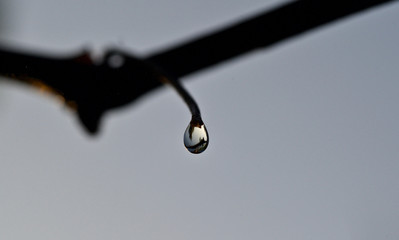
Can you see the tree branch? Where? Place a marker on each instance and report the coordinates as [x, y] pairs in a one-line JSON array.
[[261, 31], [95, 88]]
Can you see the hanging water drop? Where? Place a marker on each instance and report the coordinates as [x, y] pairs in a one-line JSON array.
[[196, 137]]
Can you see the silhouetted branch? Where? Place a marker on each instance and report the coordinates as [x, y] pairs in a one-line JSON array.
[[261, 31], [90, 88], [122, 78]]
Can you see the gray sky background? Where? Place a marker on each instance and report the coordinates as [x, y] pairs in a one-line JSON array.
[[303, 136]]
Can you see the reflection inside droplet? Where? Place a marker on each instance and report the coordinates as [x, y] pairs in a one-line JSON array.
[[196, 137]]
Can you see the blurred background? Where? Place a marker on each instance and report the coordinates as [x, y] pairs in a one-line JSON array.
[[303, 136]]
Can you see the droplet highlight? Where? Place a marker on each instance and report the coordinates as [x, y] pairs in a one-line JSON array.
[[196, 138]]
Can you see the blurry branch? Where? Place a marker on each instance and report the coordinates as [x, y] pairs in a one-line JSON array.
[[261, 31], [122, 78], [90, 88]]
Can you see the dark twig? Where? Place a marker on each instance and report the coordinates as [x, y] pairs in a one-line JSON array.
[[261, 31], [95, 88]]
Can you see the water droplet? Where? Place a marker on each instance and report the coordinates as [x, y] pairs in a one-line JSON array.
[[196, 137]]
